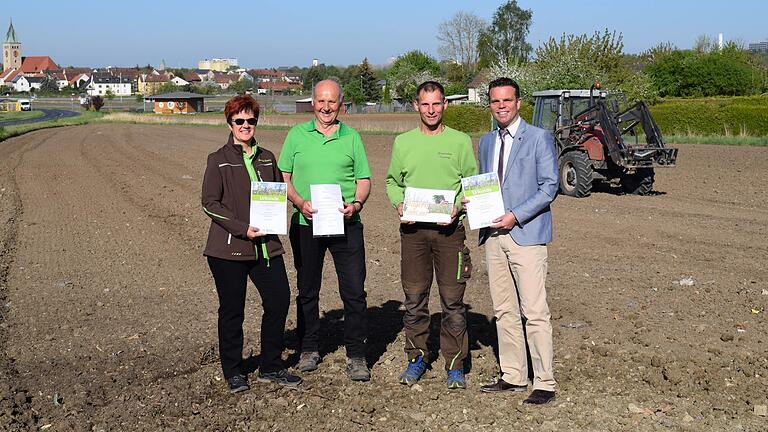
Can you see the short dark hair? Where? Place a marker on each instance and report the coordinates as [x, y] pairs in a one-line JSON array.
[[429, 87], [504, 82], [239, 104]]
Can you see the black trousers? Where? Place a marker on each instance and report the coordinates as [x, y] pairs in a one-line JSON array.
[[231, 279], [348, 254]]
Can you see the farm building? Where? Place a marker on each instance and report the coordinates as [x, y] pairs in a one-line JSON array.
[[177, 103], [304, 105]]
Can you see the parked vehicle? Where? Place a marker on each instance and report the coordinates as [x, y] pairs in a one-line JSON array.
[[25, 105], [598, 143]]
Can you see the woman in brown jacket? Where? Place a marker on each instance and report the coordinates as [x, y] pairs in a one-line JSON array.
[[237, 250]]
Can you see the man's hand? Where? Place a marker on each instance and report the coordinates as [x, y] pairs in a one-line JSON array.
[[307, 210], [400, 213], [253, 232], [505, 222], [350, 209], [464, 202], [454, 212]]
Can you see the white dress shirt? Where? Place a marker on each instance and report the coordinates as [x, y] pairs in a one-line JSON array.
[[508, 141]]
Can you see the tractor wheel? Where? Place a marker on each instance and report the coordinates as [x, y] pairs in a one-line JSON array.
[[639, 183], [575, 174]]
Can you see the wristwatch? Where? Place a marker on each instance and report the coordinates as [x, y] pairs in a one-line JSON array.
[[359, 202]]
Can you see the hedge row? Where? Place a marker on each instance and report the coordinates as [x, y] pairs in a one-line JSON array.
[[712, 118], [706, 116], [473, 119]]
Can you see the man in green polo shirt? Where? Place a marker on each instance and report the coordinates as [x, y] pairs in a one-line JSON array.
[[432, 156], [326, 151]]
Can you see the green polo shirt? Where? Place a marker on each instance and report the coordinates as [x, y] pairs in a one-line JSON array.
[[312, 158]]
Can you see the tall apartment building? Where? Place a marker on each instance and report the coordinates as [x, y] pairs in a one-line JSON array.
[[217, 64]]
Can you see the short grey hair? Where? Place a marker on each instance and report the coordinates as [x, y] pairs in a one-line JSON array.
[[333, 80]]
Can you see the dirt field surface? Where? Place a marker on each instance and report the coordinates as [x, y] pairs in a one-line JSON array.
[[109, 311]]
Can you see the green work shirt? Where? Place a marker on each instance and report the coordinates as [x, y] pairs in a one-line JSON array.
[[431, 162], [312, 158]]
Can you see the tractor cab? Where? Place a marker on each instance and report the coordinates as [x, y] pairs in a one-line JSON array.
[[596, 142]]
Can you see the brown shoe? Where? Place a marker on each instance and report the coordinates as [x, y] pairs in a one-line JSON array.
[[502, 386], [540, 397]]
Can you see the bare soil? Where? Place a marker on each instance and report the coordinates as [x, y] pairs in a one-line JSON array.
[[108, 312]]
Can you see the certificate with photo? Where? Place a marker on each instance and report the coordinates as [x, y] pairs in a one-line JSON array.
[[326, 200], [428, 205], [485, 200], [268, 207]]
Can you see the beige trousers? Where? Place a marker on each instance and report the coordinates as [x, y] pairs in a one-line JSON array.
[[517, 275]]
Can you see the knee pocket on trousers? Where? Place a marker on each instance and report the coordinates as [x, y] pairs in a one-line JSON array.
[[464, 272]]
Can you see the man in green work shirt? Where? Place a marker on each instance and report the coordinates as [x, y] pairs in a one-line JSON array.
[[432, 156], [326, 151]]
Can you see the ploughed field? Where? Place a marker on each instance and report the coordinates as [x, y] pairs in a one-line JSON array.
[[109, 311]]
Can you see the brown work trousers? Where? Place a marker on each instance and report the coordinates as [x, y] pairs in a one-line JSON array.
[[426, 248]]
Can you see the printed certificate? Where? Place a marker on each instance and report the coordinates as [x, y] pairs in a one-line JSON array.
[[327, 200], [268, 207], [485, 200], [428, 205]]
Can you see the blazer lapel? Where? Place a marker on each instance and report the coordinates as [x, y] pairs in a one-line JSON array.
[[516, 144], [491, 140]]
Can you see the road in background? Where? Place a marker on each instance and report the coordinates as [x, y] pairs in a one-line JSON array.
[[48, 114]]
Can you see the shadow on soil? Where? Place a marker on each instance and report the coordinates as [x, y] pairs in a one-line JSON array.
[[385, 322]]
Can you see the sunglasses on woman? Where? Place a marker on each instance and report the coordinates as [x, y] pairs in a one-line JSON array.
[[251, 121]]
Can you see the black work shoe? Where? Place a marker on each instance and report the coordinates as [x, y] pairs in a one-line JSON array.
[[502, 386], [308, 361], [237, 384], [540, 397], [357, 369], [281, 377]]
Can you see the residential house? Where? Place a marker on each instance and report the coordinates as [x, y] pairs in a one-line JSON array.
[[79, 81], [472, 88], [192, 77], [102, 82], [278, 87], [149, 83], [60, 77], [6, 78], [179, 81], [223, 80], [20, 83]]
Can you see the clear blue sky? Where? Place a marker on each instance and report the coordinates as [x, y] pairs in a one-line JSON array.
[[285, 33]]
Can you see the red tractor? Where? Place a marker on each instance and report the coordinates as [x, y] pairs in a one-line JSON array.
[[598, 143]]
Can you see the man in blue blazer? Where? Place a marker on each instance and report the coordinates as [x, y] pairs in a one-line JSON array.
[[525, 159]]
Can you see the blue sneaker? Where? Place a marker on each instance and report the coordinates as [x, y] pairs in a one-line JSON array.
[[413, 372], [456, 379]]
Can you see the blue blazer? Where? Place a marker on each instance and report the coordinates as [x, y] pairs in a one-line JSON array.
[[530, 182]]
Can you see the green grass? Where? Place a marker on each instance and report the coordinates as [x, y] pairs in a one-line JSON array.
[[19, 115], [84, 118], [717, 139]]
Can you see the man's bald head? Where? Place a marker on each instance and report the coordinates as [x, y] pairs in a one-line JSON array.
[[328, 84], [326, 101]]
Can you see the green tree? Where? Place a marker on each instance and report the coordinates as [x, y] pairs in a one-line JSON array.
[[368, 81], [168, 87], [48, 85], [242, 86], [354, 93], [504, 41], [718, 72], [410, 70]]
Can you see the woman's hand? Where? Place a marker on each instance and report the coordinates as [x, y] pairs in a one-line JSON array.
[[253, 232]]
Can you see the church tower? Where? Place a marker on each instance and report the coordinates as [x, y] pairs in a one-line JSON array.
[[11, 50]]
